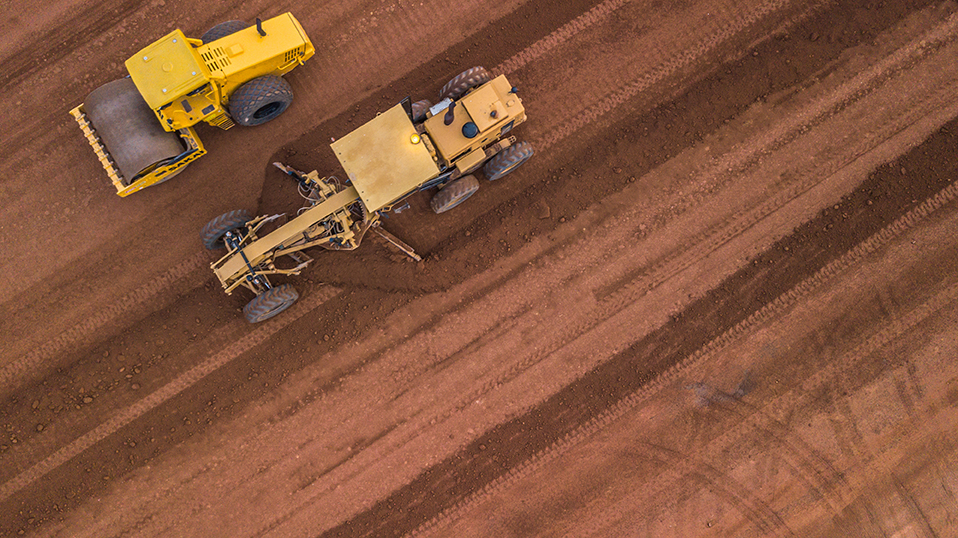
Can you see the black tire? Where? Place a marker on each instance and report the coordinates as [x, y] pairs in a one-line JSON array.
[[463, 82], [223, 29], [419, 109], [269, 303], [212, 234], [260, 100], [454, 193], [508, 160]]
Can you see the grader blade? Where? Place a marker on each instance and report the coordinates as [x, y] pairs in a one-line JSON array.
[[129, 131], [393, 240]]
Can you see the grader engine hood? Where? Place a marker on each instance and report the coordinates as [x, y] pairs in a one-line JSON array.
[[383, 161]]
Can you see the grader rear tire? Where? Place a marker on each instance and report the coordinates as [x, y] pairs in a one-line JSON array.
[[212, 234], [507, 160], [269, 303], [419, 109], [260, 100], [223, 29], [454, 194], [463, 82]]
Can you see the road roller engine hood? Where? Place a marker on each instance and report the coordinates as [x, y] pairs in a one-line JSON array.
[[184, 80]]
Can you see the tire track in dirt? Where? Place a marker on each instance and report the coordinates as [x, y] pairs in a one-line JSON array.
[[724, 486], [737, 163], [917, 514], [178, 385], [811, 466], [680, 370], [675, 63], [13, 373], [78, 29], [560, 36]]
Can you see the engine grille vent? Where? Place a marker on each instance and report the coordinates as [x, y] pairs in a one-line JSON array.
[[216, 59], [293, 54]]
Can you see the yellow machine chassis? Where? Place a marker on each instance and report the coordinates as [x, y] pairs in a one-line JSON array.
[[386, 160]]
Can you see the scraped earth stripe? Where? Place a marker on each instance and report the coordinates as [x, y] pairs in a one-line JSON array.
[[560, 36], [171, 389], [10, 374], [767, 313], [675, 63]]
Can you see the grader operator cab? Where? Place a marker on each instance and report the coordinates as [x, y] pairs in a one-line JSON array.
[[141, 126], [409, 148]]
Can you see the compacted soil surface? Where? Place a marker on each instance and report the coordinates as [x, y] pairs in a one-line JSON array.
[[720, 300]]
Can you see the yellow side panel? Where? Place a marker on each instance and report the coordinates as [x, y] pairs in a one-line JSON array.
[[470, 160], [245, 55]]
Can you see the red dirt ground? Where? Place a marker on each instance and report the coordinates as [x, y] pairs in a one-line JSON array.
[[719, 301]]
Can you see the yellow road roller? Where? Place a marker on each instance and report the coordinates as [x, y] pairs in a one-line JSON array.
[[141, 126]]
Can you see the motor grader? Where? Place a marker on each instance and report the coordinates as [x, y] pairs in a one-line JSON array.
[[141, 126], [409, 148]]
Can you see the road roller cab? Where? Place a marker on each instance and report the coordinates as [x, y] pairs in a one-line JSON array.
[[141, 126]]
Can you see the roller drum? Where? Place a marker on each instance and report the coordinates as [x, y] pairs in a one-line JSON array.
[[128, 128]]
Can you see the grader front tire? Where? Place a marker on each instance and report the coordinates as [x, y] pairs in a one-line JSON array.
[[269, 303], [212, 234]]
